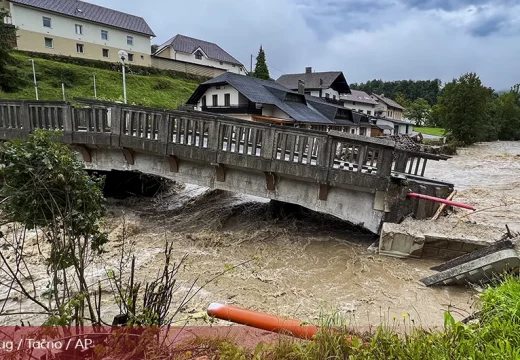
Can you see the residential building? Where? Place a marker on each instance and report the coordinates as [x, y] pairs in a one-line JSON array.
[[329, 85], [388, 126], [195, 51], [388, 108], [80, 29], [360, 101], [254, 99]]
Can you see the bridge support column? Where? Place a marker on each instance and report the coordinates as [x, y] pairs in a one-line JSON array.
[[323, 192], [270, 180], [174, 163], [85, 153], [129, 156], [220, 172]]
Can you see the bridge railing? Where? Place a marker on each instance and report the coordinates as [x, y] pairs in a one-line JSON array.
[[179, 131]]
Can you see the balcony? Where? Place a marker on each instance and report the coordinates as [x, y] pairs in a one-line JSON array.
[[233, 109], [334, 101]]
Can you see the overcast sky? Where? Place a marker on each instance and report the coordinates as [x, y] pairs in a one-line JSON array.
[[366, 39]]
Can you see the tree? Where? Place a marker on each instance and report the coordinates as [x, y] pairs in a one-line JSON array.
[[155, 47], [418, 111], [261, 70], [8, 78], [402, 100], [464, 108], [507, 114]]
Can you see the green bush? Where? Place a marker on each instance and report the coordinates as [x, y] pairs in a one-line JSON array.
[[161, 84]]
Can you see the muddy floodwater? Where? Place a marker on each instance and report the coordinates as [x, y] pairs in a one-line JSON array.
[[306, 264]]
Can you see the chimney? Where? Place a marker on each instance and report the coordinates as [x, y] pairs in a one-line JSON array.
[[301, 87], [308, 70]]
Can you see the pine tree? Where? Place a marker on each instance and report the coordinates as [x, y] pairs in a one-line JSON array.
[[261, 70], [8, 80]]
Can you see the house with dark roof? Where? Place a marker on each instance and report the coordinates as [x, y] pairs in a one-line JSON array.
[[254, 99], [359, 101], [388, 108], [329, 85], [79, 29], [195, 51]]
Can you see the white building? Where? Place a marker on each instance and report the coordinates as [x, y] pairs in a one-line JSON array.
[[200, 52], [79, 29], [254, 99], [329, 85], [360, 101], [388, 108]]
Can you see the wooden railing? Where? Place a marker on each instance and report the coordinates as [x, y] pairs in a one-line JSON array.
[[180, 133]]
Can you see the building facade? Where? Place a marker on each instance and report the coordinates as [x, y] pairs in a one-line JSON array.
[[79, 29], [360, 101], [190, 50], [388, 108]]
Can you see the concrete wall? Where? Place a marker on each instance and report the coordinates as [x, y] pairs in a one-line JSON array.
[[168, 64], [347, 204], [170, 53], [32, 34]]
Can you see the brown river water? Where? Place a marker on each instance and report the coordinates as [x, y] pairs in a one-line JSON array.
[[304, 265]]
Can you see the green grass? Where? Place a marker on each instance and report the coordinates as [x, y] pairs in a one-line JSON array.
[[154, 90], [429, 130]]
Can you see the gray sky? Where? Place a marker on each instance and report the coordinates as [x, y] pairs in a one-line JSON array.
[[366, 39]]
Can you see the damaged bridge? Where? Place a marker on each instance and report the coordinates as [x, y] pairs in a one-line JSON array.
[[359, 179]]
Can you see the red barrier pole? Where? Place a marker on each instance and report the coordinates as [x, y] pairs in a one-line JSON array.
[[443, 201], [273, 323]]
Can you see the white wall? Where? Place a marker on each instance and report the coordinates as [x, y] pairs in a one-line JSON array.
[[273, 111], [176, 55], [224, 89], [62, 26], [325, 91], [361, 107]]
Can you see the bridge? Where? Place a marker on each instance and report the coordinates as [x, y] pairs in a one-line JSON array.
[[359, 179]]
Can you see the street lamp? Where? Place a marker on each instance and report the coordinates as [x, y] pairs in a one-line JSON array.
[[123, 56]]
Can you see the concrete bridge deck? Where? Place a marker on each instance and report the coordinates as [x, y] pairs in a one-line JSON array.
[[355, 178]]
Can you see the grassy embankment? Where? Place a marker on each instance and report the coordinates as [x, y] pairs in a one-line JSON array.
[[162, 91], [495, 335], [429, 130]]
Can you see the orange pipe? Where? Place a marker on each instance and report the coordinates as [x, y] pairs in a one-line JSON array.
[[273, 323]]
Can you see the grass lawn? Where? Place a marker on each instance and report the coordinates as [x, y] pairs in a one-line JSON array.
[[429, 130], [155, 90]]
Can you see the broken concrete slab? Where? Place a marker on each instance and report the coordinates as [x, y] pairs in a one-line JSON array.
[[476, 271], [501, 245], [439, 240]]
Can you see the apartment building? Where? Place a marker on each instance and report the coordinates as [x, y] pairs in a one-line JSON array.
[[80, 29]]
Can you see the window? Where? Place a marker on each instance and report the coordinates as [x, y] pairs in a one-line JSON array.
[[353, 103], [215, 100], [369, 112], [198, 55], [131, 57], [333, 97], [353, 131], [204, 101], [106, 53], [104, 35], [221, 63], [46, 22], [130, 40], [362, 131], [227, 99], [361, 111], [49, 43], [234, 65], [80, 48], [79, 29], [327, 95]]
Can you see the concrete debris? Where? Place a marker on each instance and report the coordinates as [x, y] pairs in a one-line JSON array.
[[479, 270]]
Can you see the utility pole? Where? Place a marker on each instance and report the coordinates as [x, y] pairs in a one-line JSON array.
[[35, 83], [63, 91], [251, 63], [95, 90]]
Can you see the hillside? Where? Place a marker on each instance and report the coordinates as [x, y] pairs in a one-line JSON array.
[[150, 90]]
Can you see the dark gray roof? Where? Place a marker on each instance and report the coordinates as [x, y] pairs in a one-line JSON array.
[[188, 45], [359, 96], [388, 101], [331, 111], [316, 80], [264, 92], [90, 12]]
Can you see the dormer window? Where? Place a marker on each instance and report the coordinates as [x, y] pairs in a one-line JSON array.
[[198, 55]]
